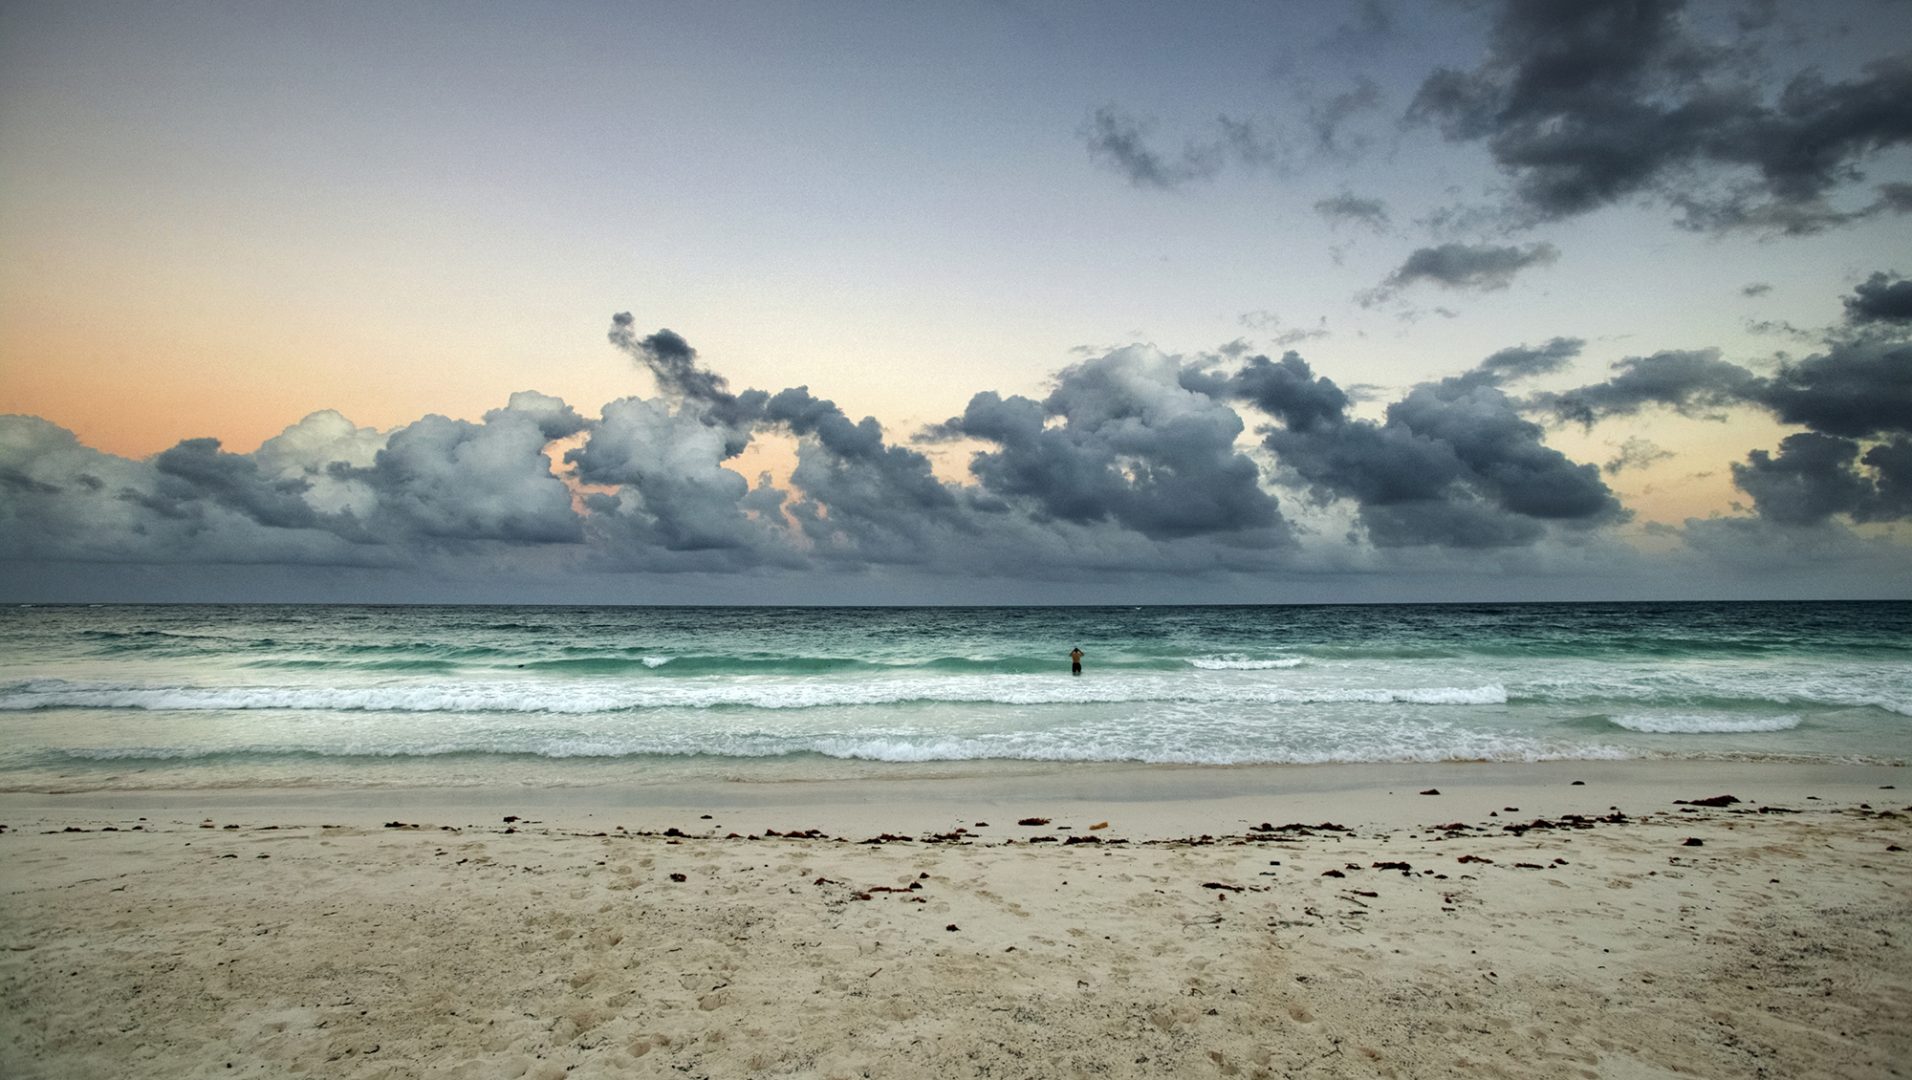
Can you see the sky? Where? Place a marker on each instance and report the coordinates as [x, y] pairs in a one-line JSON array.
[[989, 302]]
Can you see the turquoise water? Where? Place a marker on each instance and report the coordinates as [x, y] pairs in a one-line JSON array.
[[162, 696]]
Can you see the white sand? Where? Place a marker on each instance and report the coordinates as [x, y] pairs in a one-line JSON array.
[[1778, 946]]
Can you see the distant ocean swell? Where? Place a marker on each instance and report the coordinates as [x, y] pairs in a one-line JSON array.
[[643, 663], [557, 649], [233, 695]]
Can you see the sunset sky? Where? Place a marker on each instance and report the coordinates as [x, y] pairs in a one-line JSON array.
[[1252, 302]]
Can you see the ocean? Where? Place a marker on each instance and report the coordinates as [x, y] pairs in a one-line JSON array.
[[133, 697]]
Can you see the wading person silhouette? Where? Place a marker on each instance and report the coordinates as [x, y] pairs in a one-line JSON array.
[[1075, 661]]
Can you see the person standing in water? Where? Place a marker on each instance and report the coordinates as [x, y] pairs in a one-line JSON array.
[[1075, 661]]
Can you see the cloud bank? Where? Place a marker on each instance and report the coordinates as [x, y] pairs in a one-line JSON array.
[[1135, 462]]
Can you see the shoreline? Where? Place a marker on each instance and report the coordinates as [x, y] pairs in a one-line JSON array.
[[1175, 798], [1317, 920]]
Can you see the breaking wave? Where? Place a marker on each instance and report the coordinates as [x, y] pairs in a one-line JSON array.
[[1703, 723], [531, 696], [1242, 663]]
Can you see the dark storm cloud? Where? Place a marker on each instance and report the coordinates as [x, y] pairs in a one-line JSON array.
[[197, 469], [48, 511], [858, 497], [1286, 389], [1891, 464], [19, 483], [1881, 298], [862, 498], [1452, 464], [1373, 213], [1815, 476], [1857, 387], [1896, 197], [1477, 267], [1812, 140], [1504, 452], [1589, 102], [1689, 382], [672, 361], [1811, 479]]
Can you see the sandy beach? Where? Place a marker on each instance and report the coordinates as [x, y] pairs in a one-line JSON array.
[[1575, 919]]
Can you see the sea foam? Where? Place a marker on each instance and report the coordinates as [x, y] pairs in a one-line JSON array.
[[1242, 663], [1397, 746], [581, 697], [1703, 723]]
